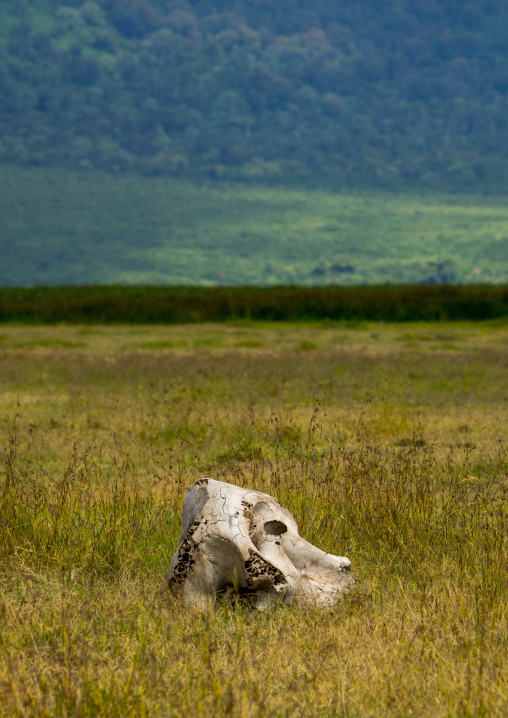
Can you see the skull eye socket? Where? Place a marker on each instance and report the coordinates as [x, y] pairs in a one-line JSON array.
[[275, 528], [261, 507]]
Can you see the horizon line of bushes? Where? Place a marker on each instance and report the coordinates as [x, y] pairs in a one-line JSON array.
[[177, 305]]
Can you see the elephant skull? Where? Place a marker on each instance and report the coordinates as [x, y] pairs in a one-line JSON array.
[[248, 541]]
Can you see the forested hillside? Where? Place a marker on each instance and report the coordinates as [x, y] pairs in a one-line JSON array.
[[333, 93]]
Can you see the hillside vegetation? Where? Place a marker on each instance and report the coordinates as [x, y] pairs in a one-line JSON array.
[[330, 93]]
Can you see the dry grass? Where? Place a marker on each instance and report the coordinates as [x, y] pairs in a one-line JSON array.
[[387, 444]]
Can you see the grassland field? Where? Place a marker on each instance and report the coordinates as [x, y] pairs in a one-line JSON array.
[[387, 442], [91, 227]]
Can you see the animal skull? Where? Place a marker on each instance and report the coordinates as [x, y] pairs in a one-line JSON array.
[[249, 541]]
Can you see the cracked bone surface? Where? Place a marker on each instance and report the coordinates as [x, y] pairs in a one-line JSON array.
[[249, 541]]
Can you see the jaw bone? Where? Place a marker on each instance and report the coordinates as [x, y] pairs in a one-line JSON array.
[[246, 540]]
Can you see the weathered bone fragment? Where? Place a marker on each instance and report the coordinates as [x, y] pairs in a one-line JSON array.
[[249, 541]]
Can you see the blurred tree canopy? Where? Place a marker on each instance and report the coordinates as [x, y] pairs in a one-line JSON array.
[[386, 93]]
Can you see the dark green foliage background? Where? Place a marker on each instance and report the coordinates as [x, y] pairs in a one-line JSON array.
[[243, 142], [172, 305], [329, 93]]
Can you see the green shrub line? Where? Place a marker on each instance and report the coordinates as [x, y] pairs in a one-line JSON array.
[[177, 305]]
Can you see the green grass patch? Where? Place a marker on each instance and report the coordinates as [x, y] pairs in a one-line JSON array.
[[96, 228]]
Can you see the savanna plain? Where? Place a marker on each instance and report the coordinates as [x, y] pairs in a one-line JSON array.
[[387, 442]]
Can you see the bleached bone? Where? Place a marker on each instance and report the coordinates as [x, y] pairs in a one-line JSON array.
[[233, 538]]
